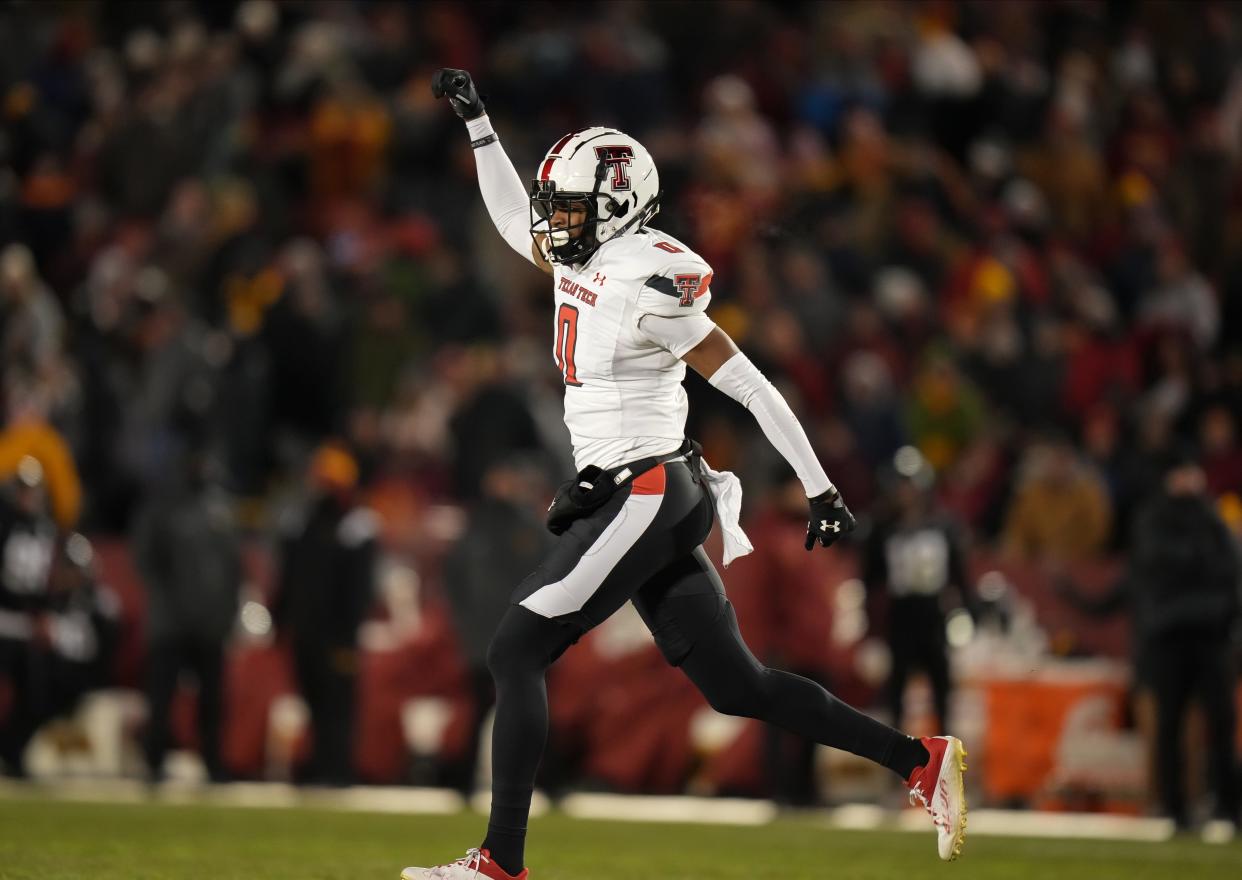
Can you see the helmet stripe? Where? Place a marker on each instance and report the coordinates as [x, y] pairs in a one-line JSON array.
[[552, 155], [609, 133], [556, 149]]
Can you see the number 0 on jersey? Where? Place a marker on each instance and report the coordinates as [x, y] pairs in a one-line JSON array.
[[566, 342]]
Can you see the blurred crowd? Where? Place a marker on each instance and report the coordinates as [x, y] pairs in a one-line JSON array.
[[1008, 235], [1004, 233]]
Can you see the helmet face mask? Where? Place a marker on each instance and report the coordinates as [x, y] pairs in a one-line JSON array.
[[601, 175], [571, 242]]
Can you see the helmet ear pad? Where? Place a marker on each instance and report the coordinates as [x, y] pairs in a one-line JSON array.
[[619, 209]]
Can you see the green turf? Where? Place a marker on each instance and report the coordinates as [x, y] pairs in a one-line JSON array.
[[51, 840]]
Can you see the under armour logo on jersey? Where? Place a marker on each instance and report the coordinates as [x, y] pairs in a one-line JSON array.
[[824, 526], [599, 278]]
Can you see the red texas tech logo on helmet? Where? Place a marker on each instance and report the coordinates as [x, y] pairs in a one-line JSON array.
[[618, 159]]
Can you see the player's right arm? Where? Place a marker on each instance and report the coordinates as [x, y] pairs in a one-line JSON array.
[[503, 193]]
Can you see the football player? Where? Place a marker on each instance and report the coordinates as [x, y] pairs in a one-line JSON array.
[[629, 314]]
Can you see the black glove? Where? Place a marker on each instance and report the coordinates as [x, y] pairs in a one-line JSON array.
[[457, 85], [579, 497], [830, 519]]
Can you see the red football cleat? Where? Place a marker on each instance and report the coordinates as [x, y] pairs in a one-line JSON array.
[[937, 785]]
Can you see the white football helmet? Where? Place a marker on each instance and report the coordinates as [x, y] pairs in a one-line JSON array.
[[608, 174]]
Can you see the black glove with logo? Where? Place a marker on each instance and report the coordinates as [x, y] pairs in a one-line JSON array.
[[830, 519], [457, 86], [579, 497]]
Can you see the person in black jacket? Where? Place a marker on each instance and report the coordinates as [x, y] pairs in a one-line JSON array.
[[326, 587], [188, 552], [27, 548], [1181, 586], [913, 555]]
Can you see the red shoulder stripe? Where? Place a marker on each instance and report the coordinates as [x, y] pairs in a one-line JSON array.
[[704, 286]]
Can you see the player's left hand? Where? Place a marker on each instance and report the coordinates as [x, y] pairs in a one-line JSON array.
[[830, 519]]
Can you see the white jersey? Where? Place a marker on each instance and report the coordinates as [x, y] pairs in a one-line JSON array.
[[622, 321]]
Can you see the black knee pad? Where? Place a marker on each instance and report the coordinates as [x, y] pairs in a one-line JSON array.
[[526, 641]]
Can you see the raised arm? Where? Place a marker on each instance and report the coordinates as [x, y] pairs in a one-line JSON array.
[[506, 199]]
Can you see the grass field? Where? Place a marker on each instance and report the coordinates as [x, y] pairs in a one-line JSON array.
[[43, 839]]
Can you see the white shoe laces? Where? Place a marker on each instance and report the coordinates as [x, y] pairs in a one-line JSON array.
[[471, 861]]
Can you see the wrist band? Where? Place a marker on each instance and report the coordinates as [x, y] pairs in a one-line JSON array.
[[480, 131]]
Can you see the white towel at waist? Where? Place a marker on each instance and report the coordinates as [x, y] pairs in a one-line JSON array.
[[726, 492]]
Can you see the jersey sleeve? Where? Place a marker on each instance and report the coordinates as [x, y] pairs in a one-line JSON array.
[[502, 190], [672, 304]]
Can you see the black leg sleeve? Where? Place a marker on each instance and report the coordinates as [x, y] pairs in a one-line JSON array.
[[524, 646], [735, 683]]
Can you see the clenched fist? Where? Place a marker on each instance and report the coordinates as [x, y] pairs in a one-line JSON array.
[[457, 86]]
